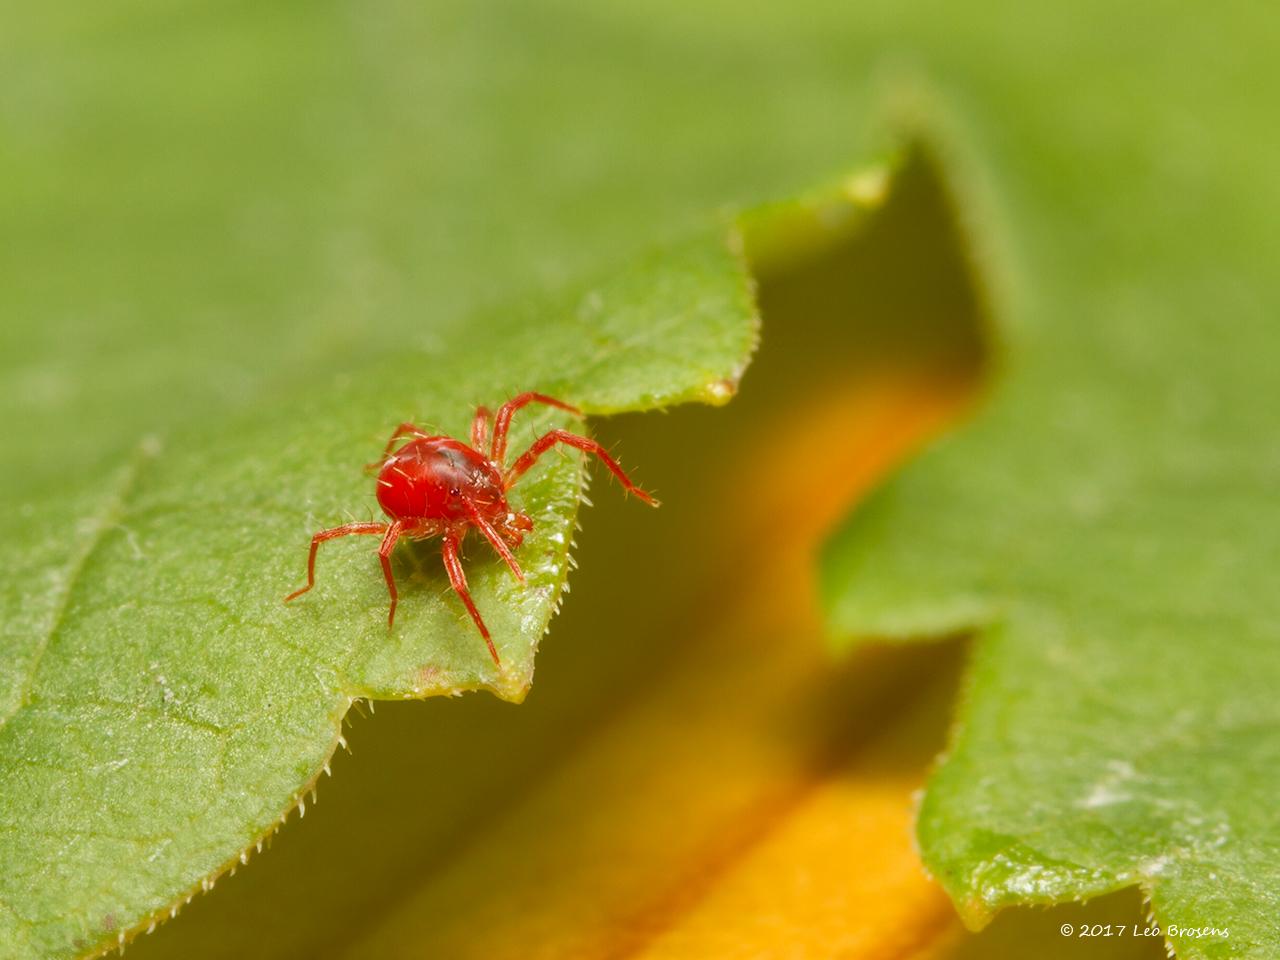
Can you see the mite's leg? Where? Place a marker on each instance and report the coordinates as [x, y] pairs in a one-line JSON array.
[[346, 530], [384, 554], [459, 581], [502, 423], [494, 538], [546, 442], [480, 429], [405, 429]]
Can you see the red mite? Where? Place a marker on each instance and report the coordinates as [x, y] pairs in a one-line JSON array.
[[439, 486]]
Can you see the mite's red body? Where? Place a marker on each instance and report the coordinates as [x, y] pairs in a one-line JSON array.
[[439, 486]]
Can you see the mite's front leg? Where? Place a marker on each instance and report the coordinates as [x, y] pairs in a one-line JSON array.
[[585, 444], [458, 579]]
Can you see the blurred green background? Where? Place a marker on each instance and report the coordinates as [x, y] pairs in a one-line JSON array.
[[211, 206]]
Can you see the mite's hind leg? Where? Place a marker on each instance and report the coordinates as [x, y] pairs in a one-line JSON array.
[[384, 554], [480, 429], [346, 530], [449, 550], [404, 430]]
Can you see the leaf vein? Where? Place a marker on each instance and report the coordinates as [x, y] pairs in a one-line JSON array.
[[105, 520]]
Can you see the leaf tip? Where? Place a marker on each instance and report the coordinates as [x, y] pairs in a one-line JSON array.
[[719, 392]]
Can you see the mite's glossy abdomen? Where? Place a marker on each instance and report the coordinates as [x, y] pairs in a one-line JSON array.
[[432, 477]]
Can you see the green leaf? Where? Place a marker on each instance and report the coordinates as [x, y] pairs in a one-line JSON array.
[[1106, 529], [241, 208], [163, 709], [687, 718]]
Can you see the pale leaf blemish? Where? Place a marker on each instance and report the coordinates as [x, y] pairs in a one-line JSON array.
[[1111, 789], [1104, 795], [1155, 866]]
